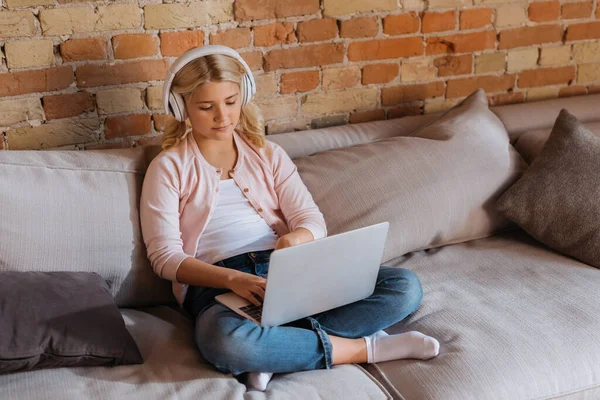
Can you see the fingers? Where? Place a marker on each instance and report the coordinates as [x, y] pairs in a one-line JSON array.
[[252, 299], [260, 292]]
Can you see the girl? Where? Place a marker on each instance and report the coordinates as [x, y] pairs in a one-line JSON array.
[[216, 202]]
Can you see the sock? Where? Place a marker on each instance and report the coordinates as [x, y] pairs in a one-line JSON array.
[[258, 380], [411, 344]]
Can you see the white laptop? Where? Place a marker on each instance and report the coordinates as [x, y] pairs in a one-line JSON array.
[[316, 276]]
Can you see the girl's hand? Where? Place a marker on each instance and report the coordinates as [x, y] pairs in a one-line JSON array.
[[299, 236], [248, 286]]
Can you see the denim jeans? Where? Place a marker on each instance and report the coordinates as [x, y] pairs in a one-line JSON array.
[[234, 344]]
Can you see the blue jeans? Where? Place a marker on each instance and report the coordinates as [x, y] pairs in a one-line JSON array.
[[234, 344]]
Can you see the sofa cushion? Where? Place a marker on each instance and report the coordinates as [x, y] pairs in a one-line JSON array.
[[174, 369], [436, 187], [515, 321], [60, 319], [556, 199], [78, 211]]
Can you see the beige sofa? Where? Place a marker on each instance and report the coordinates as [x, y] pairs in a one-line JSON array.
[[515, 319]]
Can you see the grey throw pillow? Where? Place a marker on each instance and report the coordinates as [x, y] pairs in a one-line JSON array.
[[556, 200], [61, 319]]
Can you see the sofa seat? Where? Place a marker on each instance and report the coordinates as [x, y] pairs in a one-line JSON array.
[[515, 320], [173, 369]]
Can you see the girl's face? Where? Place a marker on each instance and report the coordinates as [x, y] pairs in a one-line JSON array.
[[214, 110]]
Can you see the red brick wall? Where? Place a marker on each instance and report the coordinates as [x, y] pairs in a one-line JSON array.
[[78, 74]]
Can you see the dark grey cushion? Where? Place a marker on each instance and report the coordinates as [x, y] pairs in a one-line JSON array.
[[556, 199], [61, 319]]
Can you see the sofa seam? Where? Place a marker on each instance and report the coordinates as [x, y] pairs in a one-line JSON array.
[[375, 381], [387, 384], [129, 171], [563, 394]]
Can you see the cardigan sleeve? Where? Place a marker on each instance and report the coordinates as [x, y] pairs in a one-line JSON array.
[[295, 201], [159, 217]]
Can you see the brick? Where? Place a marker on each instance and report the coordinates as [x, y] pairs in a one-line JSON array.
[[305, 56], [555, 55], [303, 81], [490, 62], [278, 107], [15, 111], [359, 27], [586, 52], [127, 125], [187, 15], [506, 98], [17, 24], [597, 14], [454, 65], [461, 43], [385, 48], [546, 76], [530, 35], [341, 78], [149, 141], [254, 59], [33, 81], [272, 34], [91, 75], [28, 3], [417, 70], [593, 89], [173, 44], [162, 121], [59, 133], [234, 38], [122, 143], [476, 18], [68, 105], [401, 24], [294, 125], [544, 11], [438, 21], [94, 48], [366, 116], [436, 4], [510, 15], [577, 10], [329, 120], [379, 73], [406, 111], [570, 91], [586, 30], [154, 97], [490, 84], [521, 59], [337, 102], [66, 21], [588, 73], [405, 93], [134, 45], [29, 53], [438, 105], [344, 7], [543, 93], [118, 17], [246, 10], [317, 30], [113, 101], [266, 85]]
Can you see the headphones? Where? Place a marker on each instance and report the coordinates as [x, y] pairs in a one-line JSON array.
[[174, 102]]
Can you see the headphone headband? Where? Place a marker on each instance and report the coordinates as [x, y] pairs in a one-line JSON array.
[[174, 103]]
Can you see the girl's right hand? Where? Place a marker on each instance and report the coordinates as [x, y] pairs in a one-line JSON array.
[[249, 287]]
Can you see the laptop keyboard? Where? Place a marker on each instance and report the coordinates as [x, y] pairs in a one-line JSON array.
[[253, 311]]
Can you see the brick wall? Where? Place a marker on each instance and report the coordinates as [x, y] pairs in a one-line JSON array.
[[85, 75]]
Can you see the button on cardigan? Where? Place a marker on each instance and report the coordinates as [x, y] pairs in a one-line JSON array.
[[180, 191]]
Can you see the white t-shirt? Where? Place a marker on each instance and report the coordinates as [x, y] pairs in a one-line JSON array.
[[234, 227]]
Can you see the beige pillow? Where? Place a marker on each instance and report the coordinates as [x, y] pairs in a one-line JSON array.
[[556, 200], [436, 187]]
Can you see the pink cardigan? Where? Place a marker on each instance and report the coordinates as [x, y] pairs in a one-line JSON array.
[[181, 188]]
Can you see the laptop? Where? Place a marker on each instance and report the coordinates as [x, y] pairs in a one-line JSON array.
[[316, 276]]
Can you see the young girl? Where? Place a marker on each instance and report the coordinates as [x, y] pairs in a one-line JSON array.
[[216, 202]]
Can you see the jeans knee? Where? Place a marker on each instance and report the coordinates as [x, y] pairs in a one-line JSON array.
[[408, 286]]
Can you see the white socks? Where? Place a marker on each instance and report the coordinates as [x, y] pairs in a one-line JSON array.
[[383, 347], [258, 380]]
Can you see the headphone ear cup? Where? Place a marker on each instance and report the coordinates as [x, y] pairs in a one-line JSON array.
[[247, 89], [177, 106]]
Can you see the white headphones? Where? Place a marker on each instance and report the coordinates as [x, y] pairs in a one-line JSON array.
[[174, 102]]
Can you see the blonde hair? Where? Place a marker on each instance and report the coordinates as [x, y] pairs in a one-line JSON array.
[[212, 68]]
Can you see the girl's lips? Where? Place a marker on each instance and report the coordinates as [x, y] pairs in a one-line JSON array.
[[221, 128]]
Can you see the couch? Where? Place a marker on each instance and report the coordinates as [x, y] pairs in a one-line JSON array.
[[515, 319]]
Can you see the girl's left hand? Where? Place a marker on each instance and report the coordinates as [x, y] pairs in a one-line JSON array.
[[299, 236]]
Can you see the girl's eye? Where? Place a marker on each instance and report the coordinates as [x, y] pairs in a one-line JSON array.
[[205, 108], [230, 104]]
